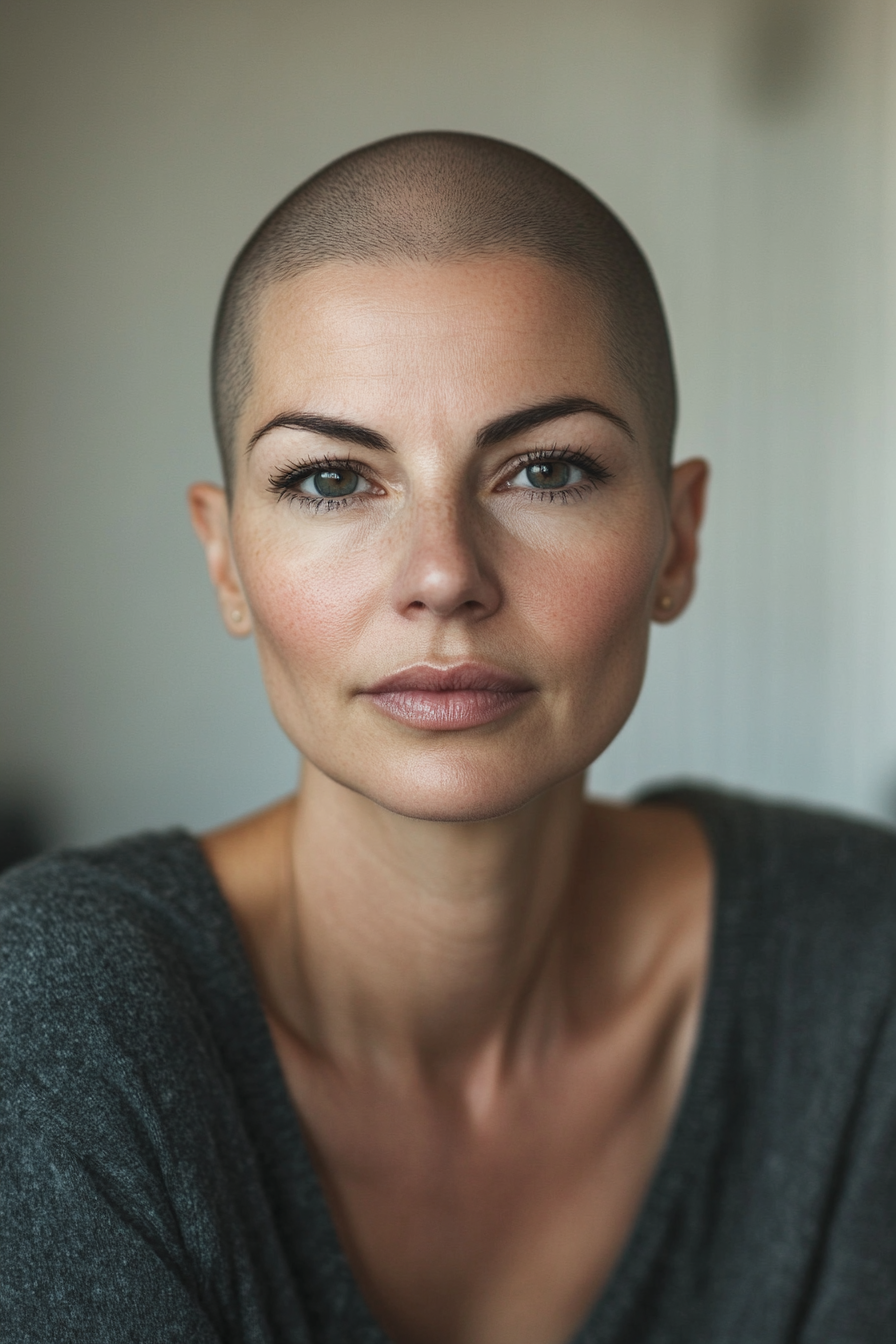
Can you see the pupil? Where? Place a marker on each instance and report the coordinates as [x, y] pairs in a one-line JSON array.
[[335, 482], [548, 475]]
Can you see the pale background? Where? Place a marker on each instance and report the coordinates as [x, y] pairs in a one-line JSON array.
[[750, 145]]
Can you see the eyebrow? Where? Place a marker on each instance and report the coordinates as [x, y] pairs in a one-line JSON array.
[[329, 426], [530, 417], [496, 431]]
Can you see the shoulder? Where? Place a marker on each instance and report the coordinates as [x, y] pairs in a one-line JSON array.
[[121, 1143], [94, 916], [806, 898], [806, 854], [123, 986], [105, 960]]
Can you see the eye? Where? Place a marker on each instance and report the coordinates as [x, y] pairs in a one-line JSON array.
[[333, 483], [556, 474]]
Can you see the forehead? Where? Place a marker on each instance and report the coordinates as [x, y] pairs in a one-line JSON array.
[[472, 337]]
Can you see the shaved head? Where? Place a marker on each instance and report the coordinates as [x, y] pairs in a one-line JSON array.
[[438, 197]]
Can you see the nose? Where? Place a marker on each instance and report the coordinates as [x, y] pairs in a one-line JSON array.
[[446, 569]]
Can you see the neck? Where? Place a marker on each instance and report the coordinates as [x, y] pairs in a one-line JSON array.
[[423, 942]]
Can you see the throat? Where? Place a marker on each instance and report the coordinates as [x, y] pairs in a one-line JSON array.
[[419, 941]]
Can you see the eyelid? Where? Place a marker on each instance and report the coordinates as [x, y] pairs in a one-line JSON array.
[[591, 462], [281, 482]]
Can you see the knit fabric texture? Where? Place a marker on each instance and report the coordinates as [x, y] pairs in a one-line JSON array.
[[156, 1186]]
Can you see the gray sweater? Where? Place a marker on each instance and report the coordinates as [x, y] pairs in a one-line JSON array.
[[157, 1188]]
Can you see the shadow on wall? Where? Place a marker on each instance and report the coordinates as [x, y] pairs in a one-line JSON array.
[[783, 52], [24, 831], [890, 799]]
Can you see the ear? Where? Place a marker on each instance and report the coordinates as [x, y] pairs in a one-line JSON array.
[[210, 517], [687, 497]]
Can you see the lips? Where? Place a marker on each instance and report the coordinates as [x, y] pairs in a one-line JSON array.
[[441, 699]]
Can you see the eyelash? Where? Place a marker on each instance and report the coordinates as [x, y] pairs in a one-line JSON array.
[[284, 484], [595, 470]]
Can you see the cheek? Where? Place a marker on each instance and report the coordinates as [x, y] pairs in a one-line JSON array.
[[588, 603], [309, 603]]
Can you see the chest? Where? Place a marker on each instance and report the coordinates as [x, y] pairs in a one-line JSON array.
[[503, 1228]]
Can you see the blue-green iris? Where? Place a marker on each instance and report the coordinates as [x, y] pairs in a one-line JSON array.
[[335, 481], [548, 475]]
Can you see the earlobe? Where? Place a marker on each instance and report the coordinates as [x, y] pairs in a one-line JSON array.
[[210, 517]]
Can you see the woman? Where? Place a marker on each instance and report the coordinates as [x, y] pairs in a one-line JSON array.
[[436, 1050]]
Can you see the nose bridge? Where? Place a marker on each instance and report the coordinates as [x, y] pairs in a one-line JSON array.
[[445, 566]]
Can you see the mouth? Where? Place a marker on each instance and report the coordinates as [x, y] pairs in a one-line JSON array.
[[445, 699]]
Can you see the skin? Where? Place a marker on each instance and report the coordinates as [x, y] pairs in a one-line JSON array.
[[483, 991]]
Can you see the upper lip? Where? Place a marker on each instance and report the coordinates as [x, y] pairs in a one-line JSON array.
[[459, 677]]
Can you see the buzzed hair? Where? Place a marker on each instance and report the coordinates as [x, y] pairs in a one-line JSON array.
[[439, 196]]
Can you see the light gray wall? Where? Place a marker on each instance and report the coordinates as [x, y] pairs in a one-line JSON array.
[[750, 146]]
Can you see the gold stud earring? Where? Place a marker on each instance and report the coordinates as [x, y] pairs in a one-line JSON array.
[[665, 602]]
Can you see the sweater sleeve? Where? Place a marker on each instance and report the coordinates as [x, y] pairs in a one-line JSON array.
[[98, 1241], [79, 1262]]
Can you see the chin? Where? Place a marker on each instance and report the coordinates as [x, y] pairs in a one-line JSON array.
[[427, 789], [447, 806]]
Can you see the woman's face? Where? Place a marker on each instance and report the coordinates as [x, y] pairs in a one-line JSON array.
[[451, 605]]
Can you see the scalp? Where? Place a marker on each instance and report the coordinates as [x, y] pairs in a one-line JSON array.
[[442, 196]]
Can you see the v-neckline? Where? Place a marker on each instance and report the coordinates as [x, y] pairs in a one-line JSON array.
[[338, 1311], [696, 1112]]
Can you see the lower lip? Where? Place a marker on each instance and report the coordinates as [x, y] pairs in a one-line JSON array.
[[444, 711]]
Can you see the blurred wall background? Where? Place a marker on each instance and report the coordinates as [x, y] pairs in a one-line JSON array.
[[750, 145]]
